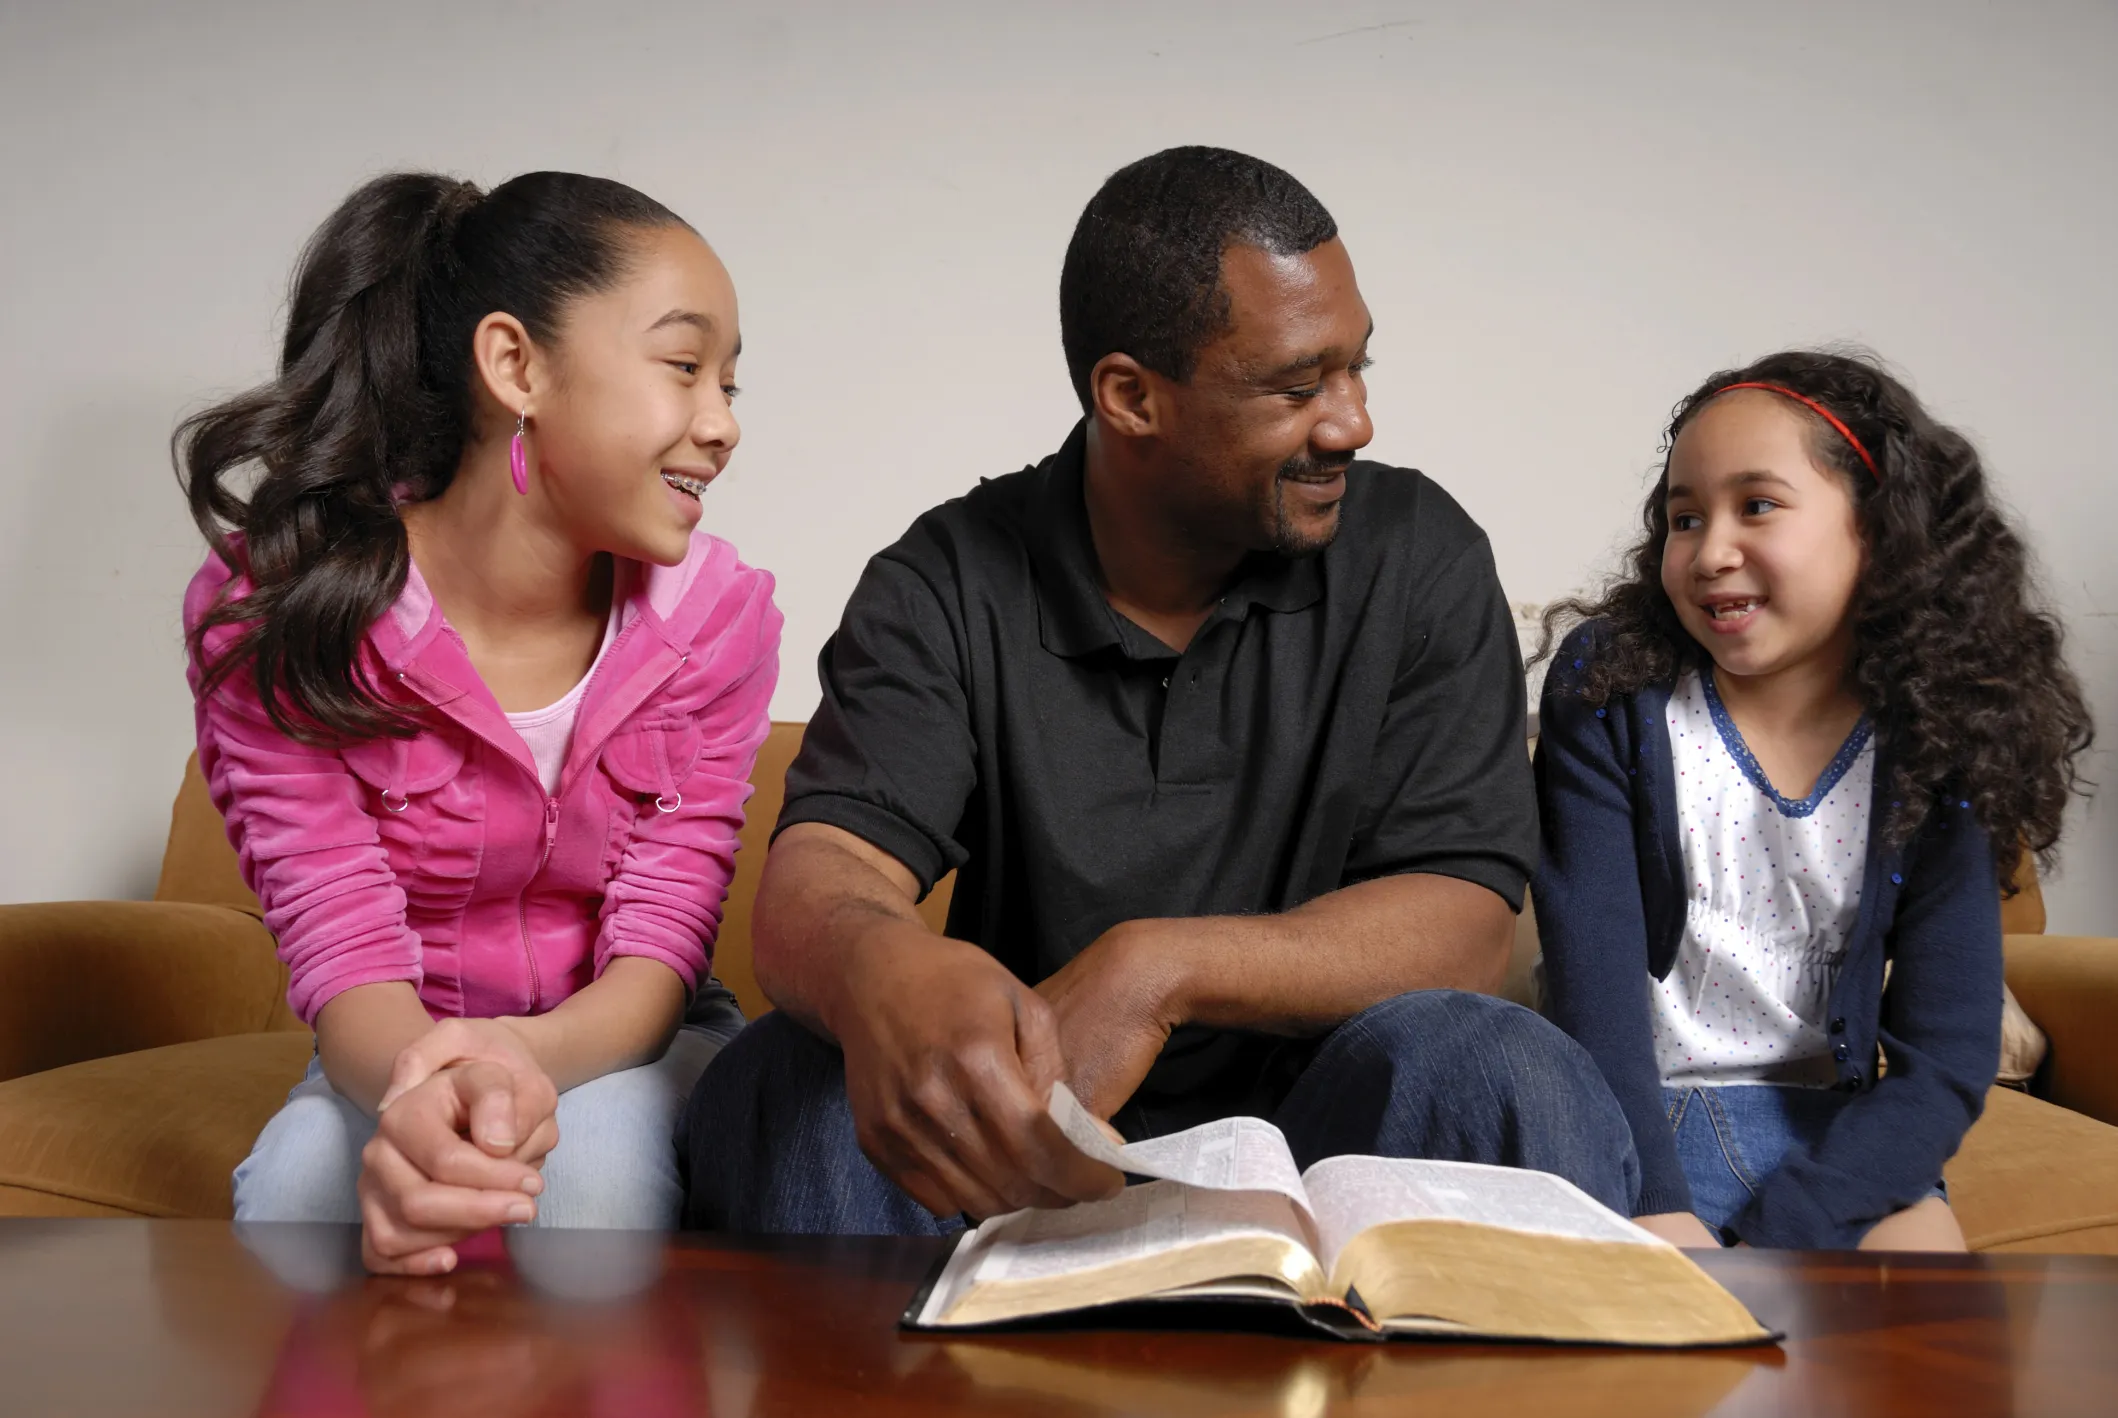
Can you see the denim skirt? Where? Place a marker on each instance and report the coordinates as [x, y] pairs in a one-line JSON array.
[[1733, 1136]]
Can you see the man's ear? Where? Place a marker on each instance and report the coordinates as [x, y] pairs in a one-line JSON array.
[[1127, 396], [503, 354]]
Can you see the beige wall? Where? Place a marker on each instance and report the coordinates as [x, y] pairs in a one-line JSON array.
[[1563, 216]]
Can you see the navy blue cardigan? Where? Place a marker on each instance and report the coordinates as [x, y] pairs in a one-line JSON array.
[[1611, 905]]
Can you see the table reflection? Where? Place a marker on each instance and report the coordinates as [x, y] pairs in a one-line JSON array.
[[1312, 1379], [549, 1322], [530, 1323]]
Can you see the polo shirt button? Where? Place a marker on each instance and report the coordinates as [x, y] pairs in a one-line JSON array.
[[1840, 1053], [1165, 681], [1838, 1026]]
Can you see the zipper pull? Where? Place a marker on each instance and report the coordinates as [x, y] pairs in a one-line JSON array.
[[551, 824]]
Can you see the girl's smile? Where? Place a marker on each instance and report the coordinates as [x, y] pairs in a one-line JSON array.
[[1731, 613]]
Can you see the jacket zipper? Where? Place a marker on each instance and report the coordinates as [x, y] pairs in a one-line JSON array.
[[551, 813], [551, 835]]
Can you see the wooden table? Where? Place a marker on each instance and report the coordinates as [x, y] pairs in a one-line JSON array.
[[185, 1317]]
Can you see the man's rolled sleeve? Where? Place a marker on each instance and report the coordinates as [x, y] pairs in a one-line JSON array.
[[890, 755]]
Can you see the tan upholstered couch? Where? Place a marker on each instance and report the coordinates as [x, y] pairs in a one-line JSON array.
[[144, 1044]]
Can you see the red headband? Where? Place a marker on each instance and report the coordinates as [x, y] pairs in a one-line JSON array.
[[1825, 414]]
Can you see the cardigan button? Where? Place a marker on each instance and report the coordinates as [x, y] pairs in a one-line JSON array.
[[1838, 1026], [1841, 1053], [1896, 880]]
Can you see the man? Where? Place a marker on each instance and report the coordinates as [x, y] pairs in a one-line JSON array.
[[1223, 734]]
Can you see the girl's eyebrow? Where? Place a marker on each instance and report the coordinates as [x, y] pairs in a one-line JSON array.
[[704, 323], [1755, 475]]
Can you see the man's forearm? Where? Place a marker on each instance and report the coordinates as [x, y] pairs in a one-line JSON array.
[[1307, 970], [827, 907]]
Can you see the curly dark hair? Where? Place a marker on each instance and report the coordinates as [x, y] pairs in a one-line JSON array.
[[1957, 657], [1142, 272]]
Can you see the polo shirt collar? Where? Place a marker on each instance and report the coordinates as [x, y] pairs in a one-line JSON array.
[[1074, 618]]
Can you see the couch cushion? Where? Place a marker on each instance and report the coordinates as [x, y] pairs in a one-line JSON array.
[[2035, 1177], [152, 1133], [199, 864]]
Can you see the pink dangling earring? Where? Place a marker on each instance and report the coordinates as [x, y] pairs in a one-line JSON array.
[[517, 460]]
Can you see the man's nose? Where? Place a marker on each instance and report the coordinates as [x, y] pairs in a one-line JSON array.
[[1345, 426]]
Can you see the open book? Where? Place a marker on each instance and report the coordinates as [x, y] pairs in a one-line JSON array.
[[1362, 1247]]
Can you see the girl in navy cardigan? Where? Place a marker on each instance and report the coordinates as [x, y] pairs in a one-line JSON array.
[[1805, 736]]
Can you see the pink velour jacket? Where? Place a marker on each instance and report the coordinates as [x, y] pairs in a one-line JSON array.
[[439, 860]]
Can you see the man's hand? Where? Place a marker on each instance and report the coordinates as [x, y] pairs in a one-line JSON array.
[[1114, 1004], [950, 1062], [424, 1185]]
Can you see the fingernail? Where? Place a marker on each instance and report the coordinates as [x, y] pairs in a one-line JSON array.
[[533, 1184], [521, 1211], [504, 1140], [443, 1263]]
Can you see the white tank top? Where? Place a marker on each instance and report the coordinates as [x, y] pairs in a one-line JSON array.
[[549, 731]]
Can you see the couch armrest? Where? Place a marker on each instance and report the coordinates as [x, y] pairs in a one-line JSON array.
[[2069, 985], [86, 979]]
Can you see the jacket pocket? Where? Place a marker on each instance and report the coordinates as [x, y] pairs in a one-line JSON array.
[[428, 807], [649, 761], [398, 768]]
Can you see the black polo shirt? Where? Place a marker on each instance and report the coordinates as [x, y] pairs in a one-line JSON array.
[[1339, 717]]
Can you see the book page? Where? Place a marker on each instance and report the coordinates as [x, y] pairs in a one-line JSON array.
[[1145, 1219], [1139, 1238], [1234, 1154], [1350, 1194]]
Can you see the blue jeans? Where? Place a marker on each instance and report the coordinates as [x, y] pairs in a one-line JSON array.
[[1438, 1074], [616, 1165], [1732, 1137]]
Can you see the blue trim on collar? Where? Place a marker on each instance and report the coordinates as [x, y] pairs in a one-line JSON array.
[[1732, 737]]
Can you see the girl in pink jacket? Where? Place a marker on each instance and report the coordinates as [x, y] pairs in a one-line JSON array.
[[479, 702]]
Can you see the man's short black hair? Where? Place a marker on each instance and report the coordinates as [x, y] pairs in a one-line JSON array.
[[1143, 271]]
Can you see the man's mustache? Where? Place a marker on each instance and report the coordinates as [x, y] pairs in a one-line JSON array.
[[1307, 469]]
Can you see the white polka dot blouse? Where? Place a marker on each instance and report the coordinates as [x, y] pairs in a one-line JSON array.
[[1774, 885]]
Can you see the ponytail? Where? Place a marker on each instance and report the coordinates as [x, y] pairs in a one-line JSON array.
[[372, 406]]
